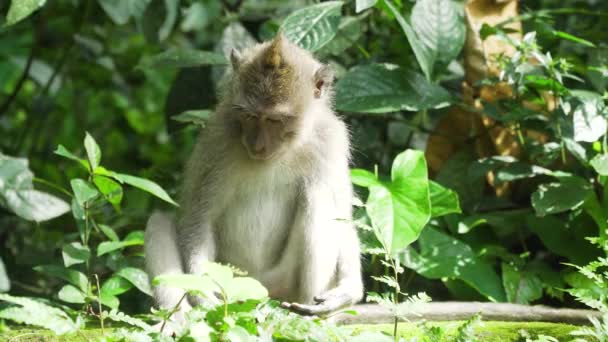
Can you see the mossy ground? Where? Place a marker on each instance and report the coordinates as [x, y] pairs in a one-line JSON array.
[[487, 332]]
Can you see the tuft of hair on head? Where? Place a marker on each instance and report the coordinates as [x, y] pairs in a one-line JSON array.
[[273, 56]]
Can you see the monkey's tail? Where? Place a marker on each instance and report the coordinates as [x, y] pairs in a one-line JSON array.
[[163, 258]]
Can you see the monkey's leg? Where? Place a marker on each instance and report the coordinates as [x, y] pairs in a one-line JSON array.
[[163, 257], [330, 255]]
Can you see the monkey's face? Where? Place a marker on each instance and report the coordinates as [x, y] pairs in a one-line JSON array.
[[266, 135]]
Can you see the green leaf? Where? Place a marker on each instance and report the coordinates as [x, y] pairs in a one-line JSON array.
[[110, 246], [362, 5], [34, 205], [21, 9], [244, 288], [137, 277], [75, 253], [443, 200], [109, 300], [423, 55], [188, 282], [145, 185], [32, 312], [17, 193], [349, 32], [443, 256], [183, 58], [588, 120], [521, 287], [108, 232], [562, 238], [385, 88], [71, 294], [567, 194], [568, 36], [440, 30], [121, 10], [600, 164], [313, 26], [363, 178], [110, 189], [62, 151], [83, 191], [197, 117], [72, 276], [399, 209], [5, 283], [115, 286], [93, 151]]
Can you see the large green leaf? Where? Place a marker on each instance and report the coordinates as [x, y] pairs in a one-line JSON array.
[[31, 312], [145, 185], [589, 116], [362, 5], [21, 9], [567, 194], [385, 88], [135, 238], [349, 31], [17, 193], [62, 151], [423, 55], [521, 286], [72, 276], [183, 58], [137, 277], [399, 209], [442, 256], [115, 286], [440, 30], [314, 26], [110, 189], [443, 200]]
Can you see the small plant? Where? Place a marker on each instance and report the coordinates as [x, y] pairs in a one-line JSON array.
[[398, 209]]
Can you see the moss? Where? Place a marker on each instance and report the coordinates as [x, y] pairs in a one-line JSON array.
[[33, 335], [488, 331]]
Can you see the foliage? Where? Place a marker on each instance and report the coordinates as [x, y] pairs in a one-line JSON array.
[[485, 225]]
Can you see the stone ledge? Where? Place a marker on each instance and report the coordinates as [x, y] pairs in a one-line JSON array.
[[459, 311]]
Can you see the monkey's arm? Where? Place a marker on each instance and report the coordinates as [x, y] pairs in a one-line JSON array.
[[330, 254]]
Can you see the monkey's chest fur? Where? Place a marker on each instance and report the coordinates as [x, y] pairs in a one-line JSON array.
[[255, 226]]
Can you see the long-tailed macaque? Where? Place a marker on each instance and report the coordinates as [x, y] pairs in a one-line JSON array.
[[267, 188]]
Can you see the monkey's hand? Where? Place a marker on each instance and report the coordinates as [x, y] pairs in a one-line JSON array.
[[324, 304]]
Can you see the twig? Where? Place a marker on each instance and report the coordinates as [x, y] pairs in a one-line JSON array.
[[26, 71], [175, 309], [99, 302]]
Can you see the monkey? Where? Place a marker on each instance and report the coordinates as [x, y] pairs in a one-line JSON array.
[[267, 187]]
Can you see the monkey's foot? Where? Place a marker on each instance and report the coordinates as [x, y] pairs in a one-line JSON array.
[[324, 304]]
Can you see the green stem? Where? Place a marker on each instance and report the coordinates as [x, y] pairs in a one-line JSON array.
[[99, 302], [52, 185], [174, 310]]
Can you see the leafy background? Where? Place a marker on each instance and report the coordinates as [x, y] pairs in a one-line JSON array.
[[141, 76]]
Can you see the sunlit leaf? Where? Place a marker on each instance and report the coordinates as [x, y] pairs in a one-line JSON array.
[[93, 151], [567, 194], [83, 191], [35, 313], [71, 294], [62, 151], [443, 200], [21, 9], [75, 253], [521, 287], [144, 184], [72, 276], [600, 164], [313, 26], [137, 277]]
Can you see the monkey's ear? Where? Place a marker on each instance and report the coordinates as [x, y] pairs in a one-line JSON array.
[[324, 77], [235, 59]]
